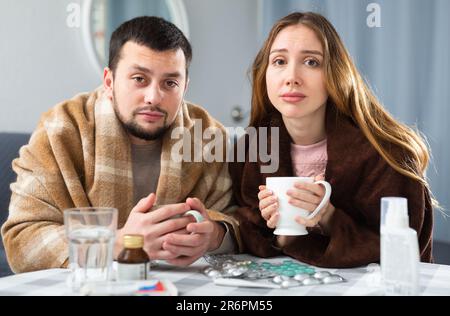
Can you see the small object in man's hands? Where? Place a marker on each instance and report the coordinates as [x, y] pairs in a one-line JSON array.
[[198, 217]]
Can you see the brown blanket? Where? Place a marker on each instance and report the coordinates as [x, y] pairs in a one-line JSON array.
[[359, 177], [80, 156]]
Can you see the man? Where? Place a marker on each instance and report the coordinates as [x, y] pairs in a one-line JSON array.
[[112, 148]]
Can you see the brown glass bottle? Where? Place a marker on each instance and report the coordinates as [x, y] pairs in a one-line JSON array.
[[133, 262]]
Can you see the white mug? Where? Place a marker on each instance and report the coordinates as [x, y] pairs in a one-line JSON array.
[[287, 226]]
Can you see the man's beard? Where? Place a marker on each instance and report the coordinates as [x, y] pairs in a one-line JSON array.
[[133, 128]]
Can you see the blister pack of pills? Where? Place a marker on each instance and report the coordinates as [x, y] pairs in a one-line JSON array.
[[286, 273]]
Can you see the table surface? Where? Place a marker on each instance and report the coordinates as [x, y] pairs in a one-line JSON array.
[[190, 281]]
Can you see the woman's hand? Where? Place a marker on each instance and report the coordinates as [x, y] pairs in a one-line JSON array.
[[308, 196], [268, 205]]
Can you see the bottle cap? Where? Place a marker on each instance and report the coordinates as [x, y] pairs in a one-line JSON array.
[[133, 241]]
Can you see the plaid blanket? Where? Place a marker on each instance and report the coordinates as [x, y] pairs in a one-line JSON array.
[[80, 156]]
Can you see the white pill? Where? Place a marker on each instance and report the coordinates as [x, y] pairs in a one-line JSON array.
[[213, 273], [333, 279], [311, 281], [321, 274], [301, 277]]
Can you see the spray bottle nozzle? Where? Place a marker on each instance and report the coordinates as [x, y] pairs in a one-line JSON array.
[[394, 212]]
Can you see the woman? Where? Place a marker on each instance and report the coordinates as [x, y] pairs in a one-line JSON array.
[[305, 83]]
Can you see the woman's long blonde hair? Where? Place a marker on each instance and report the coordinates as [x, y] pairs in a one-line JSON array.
[[351, 96]]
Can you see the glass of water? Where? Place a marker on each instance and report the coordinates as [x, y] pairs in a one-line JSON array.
[[91, 235]]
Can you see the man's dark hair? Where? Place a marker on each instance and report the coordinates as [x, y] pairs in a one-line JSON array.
[[152, 32]]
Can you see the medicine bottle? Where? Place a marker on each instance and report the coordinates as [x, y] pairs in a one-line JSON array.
[[133, 261], [399, 249]]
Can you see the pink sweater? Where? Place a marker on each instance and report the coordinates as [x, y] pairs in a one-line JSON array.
[[309, 161]]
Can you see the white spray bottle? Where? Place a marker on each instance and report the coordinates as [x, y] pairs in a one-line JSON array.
[[399, 249]]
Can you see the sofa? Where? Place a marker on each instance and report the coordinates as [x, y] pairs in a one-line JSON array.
[[10, 144]]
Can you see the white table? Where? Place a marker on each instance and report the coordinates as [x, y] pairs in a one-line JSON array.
[[434, 280]]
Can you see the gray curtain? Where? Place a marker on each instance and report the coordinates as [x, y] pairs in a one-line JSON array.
[[405, 61]]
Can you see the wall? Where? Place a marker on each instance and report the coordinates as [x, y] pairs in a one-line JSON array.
[[224, 35], [43, 61]]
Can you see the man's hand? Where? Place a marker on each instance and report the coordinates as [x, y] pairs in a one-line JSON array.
[[155, 226], [204, 236]]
